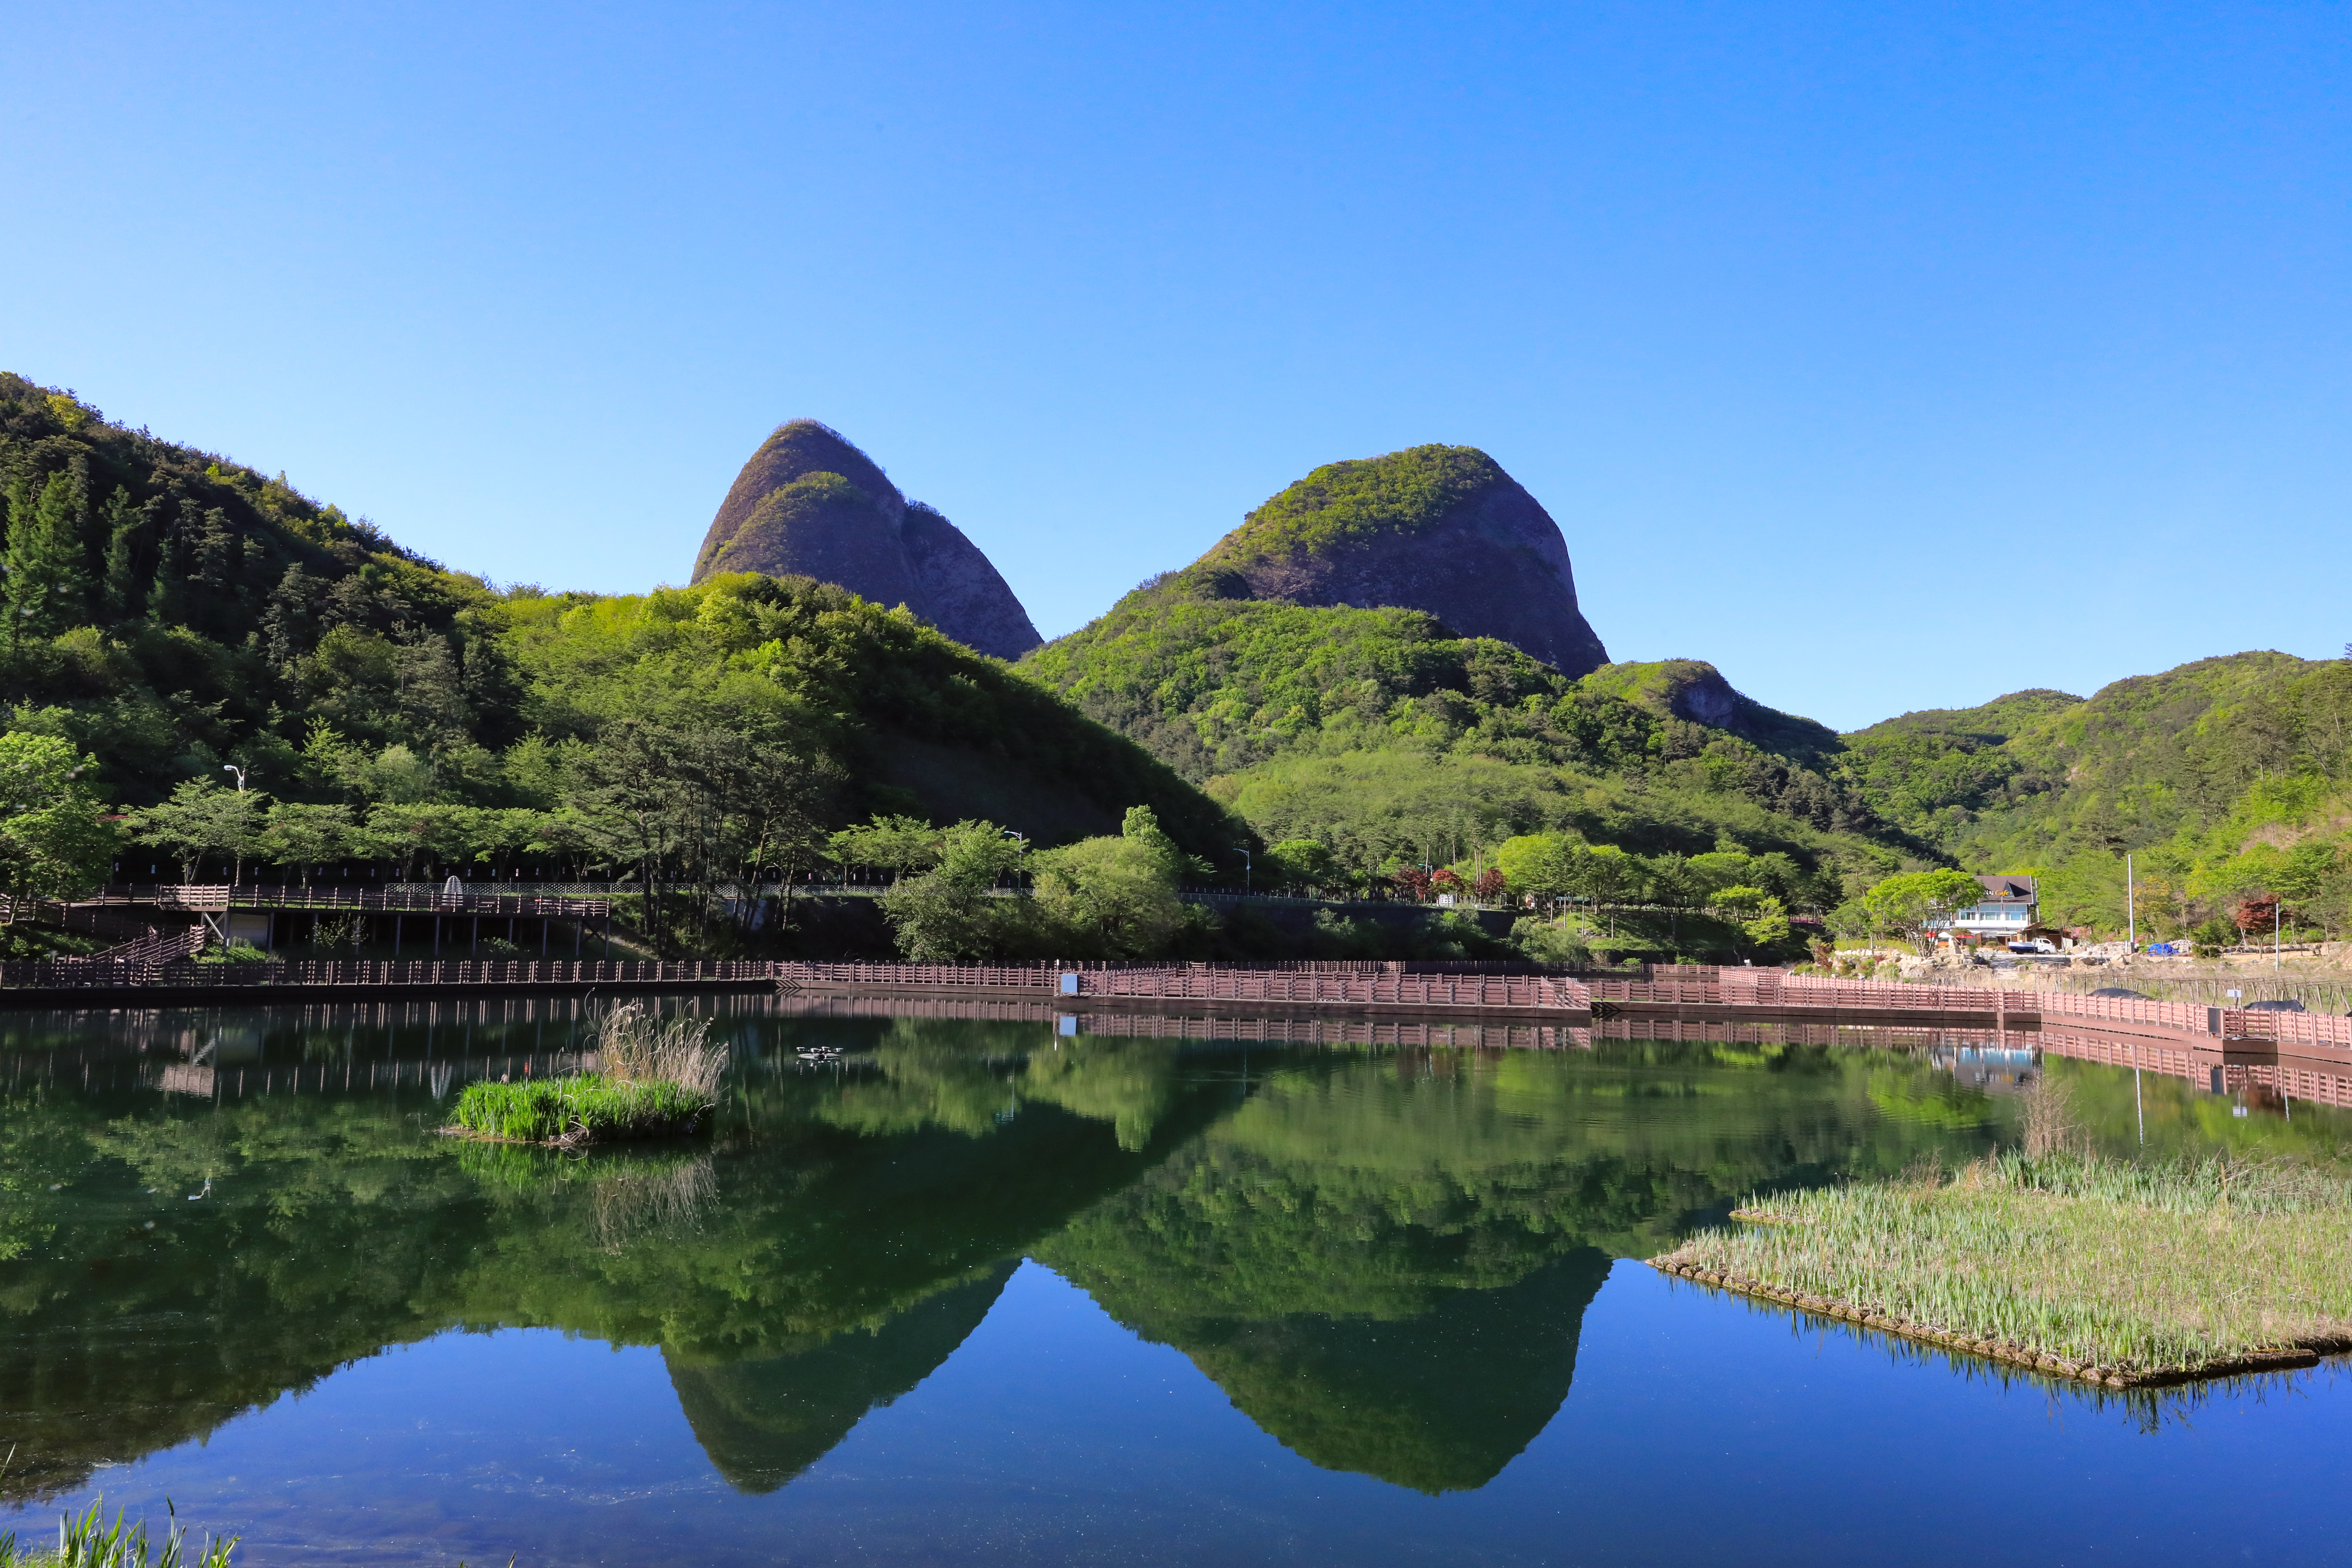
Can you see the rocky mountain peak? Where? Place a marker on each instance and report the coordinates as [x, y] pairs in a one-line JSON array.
[[1439, 529], [810, 503]]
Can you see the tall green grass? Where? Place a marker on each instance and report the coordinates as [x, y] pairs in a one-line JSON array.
[[653, 1078], [581, 1108], [89, 1542], [2137, 1267]]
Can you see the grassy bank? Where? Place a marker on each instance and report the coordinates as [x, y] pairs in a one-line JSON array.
[[2111, 1270], [653, 1079]]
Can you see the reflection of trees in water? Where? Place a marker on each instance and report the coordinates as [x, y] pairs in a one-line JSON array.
[[1384, 1260], [1385, 1263], [313, 1246], [973, 1078], [336, 1226]]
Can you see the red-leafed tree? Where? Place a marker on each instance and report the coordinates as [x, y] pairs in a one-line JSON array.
[[1489, 885], [2256, 912], [1412, 883]]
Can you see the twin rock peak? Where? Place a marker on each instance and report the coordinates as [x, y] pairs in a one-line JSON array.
[[1438, 529]]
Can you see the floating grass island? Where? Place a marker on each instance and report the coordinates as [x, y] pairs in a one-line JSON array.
[[2110, 1271], [651, 1080]]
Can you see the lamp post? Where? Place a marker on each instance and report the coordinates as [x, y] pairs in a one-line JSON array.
[[237, 874], [1245, 869]]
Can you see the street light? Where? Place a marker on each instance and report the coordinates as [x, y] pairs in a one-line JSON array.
[[1245, 869], [237, 874]]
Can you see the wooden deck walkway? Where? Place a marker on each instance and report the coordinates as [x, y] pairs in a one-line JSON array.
[[1556, 1002]]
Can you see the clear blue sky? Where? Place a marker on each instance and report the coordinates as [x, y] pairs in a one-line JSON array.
[[1889, 358]]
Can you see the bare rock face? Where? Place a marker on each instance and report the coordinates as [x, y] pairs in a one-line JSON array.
[[809, 503], [1439, 529]]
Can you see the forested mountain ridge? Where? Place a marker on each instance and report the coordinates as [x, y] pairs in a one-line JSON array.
[[1381, 733], [2225, 777], [170, 609], [171, 612]]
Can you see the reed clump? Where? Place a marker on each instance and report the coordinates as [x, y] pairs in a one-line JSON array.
[[652, 1077], [90, 1541], [2115, 1270]]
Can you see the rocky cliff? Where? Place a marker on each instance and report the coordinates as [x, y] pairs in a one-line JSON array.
[[1439, 529], [810, 503]]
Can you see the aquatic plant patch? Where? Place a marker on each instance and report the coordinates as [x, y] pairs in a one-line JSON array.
[[584, 1108], [2112, 1271], [655, 1077]]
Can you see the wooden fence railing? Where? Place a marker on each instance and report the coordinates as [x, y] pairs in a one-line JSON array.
[[1037, 977], [203, 898], [359, 974], [2318, 1032], [1425, 990]]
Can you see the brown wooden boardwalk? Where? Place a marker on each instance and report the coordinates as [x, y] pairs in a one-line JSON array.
[[2205, 1037]]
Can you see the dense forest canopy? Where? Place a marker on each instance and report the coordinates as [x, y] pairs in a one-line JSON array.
[[179, 619], [1383, 736], [2224, 779], [1400, 493]]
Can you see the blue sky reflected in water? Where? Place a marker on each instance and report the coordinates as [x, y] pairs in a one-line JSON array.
[[986, 1293], [1696, 1425]]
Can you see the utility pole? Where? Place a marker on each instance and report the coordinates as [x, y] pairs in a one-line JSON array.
[[2131, 910]]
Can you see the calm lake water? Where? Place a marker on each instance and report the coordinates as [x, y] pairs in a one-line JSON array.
[[992, 1292]]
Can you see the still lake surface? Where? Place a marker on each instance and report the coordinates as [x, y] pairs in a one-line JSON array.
[[984, 1291]]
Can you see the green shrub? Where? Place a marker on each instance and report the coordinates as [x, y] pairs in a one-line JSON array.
[[1548, 943]]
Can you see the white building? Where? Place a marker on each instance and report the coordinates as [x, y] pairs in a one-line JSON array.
[[2006, 908]]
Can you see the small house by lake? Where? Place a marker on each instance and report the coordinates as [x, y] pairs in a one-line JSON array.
[[2008, 907]]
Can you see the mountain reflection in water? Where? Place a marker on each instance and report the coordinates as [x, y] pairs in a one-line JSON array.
[[1382, 1257]]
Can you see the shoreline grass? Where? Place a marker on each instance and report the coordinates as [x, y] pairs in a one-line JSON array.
[[89, 1542], [2110, 1270], [653, 1079]]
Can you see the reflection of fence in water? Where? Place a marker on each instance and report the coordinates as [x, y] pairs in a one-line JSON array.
[[2208, 1068], [437, 1077]]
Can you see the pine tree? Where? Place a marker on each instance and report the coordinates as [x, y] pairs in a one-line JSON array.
[[167, 598], [124, 525], [45, 591]]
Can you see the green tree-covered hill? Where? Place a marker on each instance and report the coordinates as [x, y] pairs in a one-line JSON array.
[[170, 612], [1382, 734], [2223, 778]]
